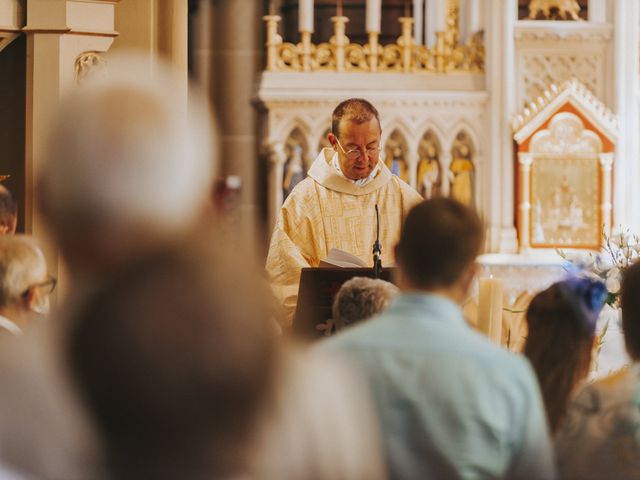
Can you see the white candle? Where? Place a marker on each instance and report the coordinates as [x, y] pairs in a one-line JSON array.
[[305, 15], [474, 17], [441, 12], [374, 13], [490, 308]]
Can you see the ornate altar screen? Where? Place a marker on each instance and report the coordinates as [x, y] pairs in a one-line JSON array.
[[565, 185], [565, 159]]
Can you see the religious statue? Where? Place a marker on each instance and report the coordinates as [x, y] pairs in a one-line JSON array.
[[428, 169], [293, 171], [566, 9], [395, 160], [461, 173]]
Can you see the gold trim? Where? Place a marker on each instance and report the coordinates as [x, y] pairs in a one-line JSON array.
[[340, 55]]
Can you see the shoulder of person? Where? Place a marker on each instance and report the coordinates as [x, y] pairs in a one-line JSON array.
[[405, 188], [299, 198]]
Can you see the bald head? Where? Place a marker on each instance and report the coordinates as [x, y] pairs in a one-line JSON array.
[[128, 163]]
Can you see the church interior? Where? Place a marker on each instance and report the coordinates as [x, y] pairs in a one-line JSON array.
[[522, 113]]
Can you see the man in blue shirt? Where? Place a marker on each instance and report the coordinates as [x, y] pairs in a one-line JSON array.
[[451, 404]]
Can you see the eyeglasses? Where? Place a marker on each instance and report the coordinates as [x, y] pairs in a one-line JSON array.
[[49, 285], [356, 153]]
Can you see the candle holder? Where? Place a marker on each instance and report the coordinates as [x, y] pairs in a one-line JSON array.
[[273, 41], [406, 43], [339, 40], [372, 51], [439, 53], [405, 55], [305, 48]]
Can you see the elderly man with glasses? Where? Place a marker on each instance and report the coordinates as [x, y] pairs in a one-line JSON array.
[[24, 283], [334, 207]]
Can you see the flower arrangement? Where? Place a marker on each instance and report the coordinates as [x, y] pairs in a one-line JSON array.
[[619, 252]]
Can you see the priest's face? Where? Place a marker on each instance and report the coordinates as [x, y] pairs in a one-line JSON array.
[[358, 147]]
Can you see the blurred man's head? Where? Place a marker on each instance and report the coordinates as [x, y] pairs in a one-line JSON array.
[[630, 305], [174, 357], [439, 243], [24, 283], [128, 164], [8, 212], [361, 298]]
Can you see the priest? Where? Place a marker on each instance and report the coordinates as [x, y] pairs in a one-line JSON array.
[[334, 207]]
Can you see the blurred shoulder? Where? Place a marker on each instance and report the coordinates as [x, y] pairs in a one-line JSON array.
[[406, 190]]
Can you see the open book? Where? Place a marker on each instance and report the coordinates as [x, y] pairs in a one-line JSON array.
[[340, 258]]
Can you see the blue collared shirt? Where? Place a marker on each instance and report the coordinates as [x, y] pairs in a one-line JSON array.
[[451, 404]]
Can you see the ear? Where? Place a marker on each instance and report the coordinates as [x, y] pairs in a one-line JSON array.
[[332, 140], [4, 229], [468, 276], [28, 298]]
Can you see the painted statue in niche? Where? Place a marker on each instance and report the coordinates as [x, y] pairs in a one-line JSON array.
[[461, 171], [293, 171], [395, 156], [428, 174]]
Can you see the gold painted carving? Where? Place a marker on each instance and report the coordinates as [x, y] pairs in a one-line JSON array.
[[86, 64], [339, 54], [567, 9]]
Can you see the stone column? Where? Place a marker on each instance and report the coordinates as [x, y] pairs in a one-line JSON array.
[[497, 179], [236, 59], [598, 11], [157, 28], [276, 157], [58, 33], [626, 170], [445, 176], [524, 205]]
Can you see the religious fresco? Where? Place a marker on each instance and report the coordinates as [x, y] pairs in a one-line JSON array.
[[565, 208], [296, 165], [395, 155], [428, 175], [462, 170]]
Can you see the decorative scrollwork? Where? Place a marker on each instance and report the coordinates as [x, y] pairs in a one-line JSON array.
[[391, 58], [356, 57], [87, 64], [324, 58]]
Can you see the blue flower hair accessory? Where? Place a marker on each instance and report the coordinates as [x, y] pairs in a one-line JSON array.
[[586, 297]]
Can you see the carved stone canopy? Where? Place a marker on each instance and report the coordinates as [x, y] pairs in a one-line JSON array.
[[571, 96]]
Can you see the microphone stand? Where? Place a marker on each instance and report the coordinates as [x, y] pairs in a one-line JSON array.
[[377, 248]]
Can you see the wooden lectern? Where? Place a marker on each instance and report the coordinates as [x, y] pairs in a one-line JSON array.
[[318, 287]]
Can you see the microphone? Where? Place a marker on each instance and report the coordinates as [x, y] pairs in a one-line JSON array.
[[377, 248]]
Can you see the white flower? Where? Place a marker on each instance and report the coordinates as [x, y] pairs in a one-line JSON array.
[[622, 239], [613, 280], [603, 263]]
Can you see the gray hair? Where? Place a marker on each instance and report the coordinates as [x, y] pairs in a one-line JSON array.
[[22, 264], [126, 149], [361, 298]]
